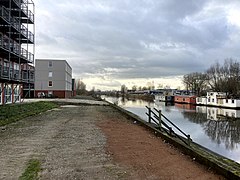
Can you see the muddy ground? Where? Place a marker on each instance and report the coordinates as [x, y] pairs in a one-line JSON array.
[[91, 142]]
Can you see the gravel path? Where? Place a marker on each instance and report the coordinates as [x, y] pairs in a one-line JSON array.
[[91, 142], [66, 140]]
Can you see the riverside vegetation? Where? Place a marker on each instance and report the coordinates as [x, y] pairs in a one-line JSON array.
[[13, 112]]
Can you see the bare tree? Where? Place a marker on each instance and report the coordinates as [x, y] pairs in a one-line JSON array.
[[196, 82], [225, 78], [123, 89], [81, 87], [134, 88], [214, 77]]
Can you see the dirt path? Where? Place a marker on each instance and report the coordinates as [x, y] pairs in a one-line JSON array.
[[70, 145], [147, 155]]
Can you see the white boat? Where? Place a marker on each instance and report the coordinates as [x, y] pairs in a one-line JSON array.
[[218, 99]]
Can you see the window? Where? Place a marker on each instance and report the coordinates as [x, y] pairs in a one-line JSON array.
[[212, 100], [50, 84], [226, 100], [232, 100], [50, 74], [208, 99], [8, 94], [49, 63]]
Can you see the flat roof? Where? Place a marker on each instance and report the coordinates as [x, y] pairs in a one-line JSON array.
[[53, 60]]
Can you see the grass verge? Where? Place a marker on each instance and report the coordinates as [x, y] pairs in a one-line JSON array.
[[31, 172], [13, 112]]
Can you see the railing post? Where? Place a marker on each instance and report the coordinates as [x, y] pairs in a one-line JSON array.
[[189, 139], [171, 131], [149, 114], [160, 119]]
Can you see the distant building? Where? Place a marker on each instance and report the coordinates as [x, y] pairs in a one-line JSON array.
[[16, 50], [53, 78]]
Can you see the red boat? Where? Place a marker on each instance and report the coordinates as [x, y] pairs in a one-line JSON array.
[[185, 99]]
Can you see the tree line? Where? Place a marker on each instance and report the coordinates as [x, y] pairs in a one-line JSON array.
[[217, 78]]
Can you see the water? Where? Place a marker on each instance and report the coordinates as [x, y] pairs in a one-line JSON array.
[[217, 129]]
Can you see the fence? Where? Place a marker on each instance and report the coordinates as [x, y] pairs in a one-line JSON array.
[[159, 119]]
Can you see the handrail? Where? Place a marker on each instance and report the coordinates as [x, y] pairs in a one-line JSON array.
[[172, 124], [4, 13], [159, 122]]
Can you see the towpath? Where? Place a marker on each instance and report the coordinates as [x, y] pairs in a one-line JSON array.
[[91, 141]]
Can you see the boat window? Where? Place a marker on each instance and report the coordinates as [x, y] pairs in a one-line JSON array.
[[232, 100], [212, 100], [226, 100]]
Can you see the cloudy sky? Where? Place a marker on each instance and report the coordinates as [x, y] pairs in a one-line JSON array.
[[135, 42]]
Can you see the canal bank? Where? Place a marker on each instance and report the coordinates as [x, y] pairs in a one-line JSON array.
[[222, 165], [91, 141]]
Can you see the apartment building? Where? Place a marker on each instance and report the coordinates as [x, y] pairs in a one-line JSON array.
[[16, 50], [53, 78]]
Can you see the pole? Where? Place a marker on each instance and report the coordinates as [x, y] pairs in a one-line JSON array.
[[159, 119], [149, 115]]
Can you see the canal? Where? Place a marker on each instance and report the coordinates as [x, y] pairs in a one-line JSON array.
[[217, 129]]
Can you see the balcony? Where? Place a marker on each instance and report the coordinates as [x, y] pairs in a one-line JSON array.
[[4, 42], [16, 24], [9, 46], [5, 72], [11, 74], [4, 15], [13, 3], [16, 74], [27, 76], [27, 36], [27, 15]]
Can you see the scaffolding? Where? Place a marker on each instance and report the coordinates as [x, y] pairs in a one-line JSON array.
[[17, 48]]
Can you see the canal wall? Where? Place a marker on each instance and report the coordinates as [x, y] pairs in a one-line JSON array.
[[222, 165]]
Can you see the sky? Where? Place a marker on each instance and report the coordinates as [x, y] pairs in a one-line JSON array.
[[137, 42]]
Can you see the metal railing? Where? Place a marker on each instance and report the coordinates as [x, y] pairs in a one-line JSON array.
[[31, 15], [27, 12], [16, 24], [5, 14], [17, 2], [159, 119], [30, 57], [16, 75], [24, 30], [28, 34]]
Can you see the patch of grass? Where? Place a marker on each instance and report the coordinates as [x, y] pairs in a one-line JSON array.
[[31, 172], [13, 112]]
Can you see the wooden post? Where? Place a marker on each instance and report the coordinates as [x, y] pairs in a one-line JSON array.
[[149, 115], [189, 139], [170, 131], [160, 119]]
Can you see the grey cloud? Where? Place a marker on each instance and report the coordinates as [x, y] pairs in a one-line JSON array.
[[132, 39]]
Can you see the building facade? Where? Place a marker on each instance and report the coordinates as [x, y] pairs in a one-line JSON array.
[[16, 50], [53, 78]]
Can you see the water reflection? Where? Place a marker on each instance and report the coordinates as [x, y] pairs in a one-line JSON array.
[[217, 129]]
